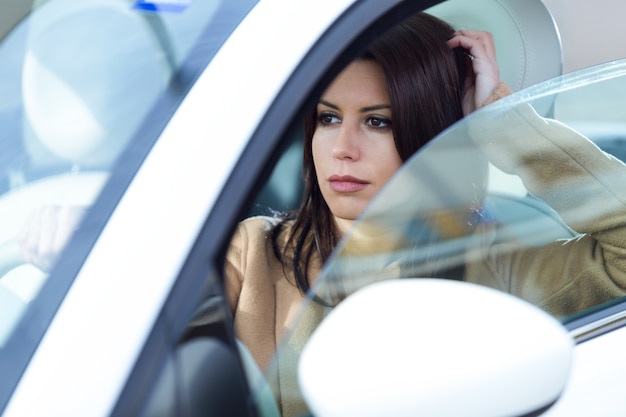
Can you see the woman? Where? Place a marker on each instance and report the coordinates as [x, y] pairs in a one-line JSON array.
[[409, 85], [365, 125]]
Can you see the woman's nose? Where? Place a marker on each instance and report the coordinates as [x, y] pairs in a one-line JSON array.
[[346, 143]]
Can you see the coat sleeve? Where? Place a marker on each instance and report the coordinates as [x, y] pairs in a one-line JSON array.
[[586, 186]]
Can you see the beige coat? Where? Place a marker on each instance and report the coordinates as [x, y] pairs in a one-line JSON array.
[[565, 170]]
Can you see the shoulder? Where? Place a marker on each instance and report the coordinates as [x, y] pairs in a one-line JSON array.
[[251, 253], [255, 233], [257, 227]]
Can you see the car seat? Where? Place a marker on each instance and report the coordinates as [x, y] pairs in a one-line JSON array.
[[528, 50], [199, 379]]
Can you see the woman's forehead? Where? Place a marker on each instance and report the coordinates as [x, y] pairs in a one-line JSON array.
[[361, 83]]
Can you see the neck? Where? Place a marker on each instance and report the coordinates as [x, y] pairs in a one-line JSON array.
[[343, 225]]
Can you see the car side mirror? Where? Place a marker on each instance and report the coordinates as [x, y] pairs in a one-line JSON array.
[[431, 347]]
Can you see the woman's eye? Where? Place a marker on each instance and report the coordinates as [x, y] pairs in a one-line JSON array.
[[379, 122], [326, 119]]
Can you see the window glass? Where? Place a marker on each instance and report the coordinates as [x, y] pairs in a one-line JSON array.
[[79, 80], [490, 197], [524, 196]]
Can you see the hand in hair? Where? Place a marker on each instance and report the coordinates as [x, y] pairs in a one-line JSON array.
[[484, 75]]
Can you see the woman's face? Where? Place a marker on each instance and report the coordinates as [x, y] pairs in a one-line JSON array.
[[353, 149]]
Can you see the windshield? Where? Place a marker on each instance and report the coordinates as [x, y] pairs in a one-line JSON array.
[[80, 82], [515, 197]]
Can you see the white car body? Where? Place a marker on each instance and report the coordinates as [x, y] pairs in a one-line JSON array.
[[89, 350]]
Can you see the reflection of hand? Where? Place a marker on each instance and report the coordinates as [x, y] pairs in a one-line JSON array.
[[47, 232], [484, 75]]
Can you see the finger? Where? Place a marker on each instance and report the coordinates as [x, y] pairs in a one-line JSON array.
[[479, 44], [484, 74], [48, 227], [482, 52], [478, 38], [37, 237], [29, 236]]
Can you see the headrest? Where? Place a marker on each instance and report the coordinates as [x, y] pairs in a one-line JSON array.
[[528, 45], [92, 70]]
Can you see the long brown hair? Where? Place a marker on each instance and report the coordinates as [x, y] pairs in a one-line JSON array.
[[425, 81]]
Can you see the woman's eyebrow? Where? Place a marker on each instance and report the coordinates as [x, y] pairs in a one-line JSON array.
[[362, 109], [375, 107], [328, 104]]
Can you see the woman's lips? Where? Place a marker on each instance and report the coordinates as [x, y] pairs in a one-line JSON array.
[[346, 183]]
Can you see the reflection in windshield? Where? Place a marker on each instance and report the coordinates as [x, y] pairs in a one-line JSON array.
[[508, 198], [77, 80]]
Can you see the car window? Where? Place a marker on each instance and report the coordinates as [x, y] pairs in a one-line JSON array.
[[469, 206], [465, 187], [82, 82]]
